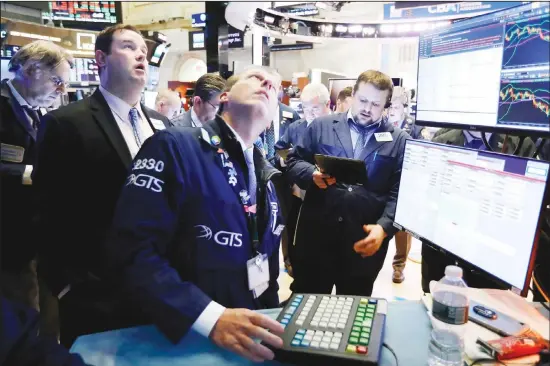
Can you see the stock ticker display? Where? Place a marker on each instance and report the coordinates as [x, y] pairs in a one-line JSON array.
[[524, 91], [491, 71]]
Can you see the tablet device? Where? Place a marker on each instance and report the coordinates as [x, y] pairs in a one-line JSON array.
[[348, 171]]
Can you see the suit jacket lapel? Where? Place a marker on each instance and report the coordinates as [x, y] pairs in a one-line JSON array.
[[20, 114], [373, 145], [343, 133], [105, 119]]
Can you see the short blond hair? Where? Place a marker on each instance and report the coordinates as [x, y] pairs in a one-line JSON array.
[[315, 90], [40, 52], [168, 95]]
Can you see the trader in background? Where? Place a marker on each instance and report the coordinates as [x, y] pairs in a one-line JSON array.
[[397, 113], [344, 100], [209, 250], [41, 71], [434, 262], [84, 152], [168, 103], [330, 243], [315, 100], [206, 102]]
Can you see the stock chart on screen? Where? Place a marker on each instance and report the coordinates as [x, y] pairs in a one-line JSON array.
[[490, 73]]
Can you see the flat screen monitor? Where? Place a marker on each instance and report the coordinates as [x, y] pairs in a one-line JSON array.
[[197, 41], [488, 73], [397, 81], [157, 55], [335, 86], [481, 207], [84, 11]]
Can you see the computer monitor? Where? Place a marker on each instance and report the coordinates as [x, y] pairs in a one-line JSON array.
[[480, 206], [488, 73]]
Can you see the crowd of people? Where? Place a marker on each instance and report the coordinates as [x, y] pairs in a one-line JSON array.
[[116, 215]]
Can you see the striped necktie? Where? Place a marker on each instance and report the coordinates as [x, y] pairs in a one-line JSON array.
[[134, 120]]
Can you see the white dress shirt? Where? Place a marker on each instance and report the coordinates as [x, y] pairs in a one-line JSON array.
[[121, 112], [195, 119], [210, 315]]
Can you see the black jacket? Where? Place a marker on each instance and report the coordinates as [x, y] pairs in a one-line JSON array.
[[82, 165], [16, 135]]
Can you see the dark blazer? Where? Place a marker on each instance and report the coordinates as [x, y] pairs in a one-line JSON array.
[[183, 120], [82, 165], [293, 134], [331, 220], [284, 118], [16, 134], [496, 141]]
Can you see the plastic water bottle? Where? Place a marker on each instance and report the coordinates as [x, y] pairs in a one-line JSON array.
[[450, 308]]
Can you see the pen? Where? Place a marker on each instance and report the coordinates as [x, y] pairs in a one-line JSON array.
[[376, 153]]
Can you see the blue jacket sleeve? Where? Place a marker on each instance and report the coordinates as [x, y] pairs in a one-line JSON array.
[[144, 225], [21, 345], [300, 161]]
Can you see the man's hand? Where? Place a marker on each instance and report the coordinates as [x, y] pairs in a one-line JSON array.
[[370, 245], [323, 180], [235, 331]]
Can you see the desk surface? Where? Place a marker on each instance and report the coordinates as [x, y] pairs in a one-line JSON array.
[[407, 332]]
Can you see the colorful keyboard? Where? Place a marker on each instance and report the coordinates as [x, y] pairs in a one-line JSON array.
[[332, 330]]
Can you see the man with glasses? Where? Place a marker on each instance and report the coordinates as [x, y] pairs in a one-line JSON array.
[[40, 70], [205, 102], [330, 243], [84, 152]]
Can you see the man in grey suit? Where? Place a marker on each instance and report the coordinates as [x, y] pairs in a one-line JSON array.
[[205, 102]]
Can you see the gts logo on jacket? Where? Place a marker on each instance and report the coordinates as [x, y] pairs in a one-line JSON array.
[[224, 238], [146, 181]]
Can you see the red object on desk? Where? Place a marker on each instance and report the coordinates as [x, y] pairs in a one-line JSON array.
[[508, 348]]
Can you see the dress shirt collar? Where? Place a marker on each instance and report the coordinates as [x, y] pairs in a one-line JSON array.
[[355, 125], [22, 102], [195, 119], [118, 106]]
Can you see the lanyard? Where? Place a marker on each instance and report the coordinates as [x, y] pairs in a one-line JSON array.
[[241, 191]]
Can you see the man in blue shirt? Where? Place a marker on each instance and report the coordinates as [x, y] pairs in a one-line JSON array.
[[330, 243], [196, 232]]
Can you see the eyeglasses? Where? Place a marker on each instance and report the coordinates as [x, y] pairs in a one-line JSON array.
[[58, 82], [216, 107]]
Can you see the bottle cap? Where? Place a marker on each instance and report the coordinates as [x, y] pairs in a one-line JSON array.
[[453, 271]]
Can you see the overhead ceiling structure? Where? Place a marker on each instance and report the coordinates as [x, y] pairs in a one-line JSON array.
[[350, 20]]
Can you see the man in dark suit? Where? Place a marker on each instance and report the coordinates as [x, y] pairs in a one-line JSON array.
[[206, 102], [41, 69], [330, 243], [315, 100], [84, 152]]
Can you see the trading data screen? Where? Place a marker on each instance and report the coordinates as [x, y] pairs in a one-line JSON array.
[[489, 72], [83, 11], [482, 207]]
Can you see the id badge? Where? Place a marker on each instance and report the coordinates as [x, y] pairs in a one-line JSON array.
[[383, 137], [258, 274]]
